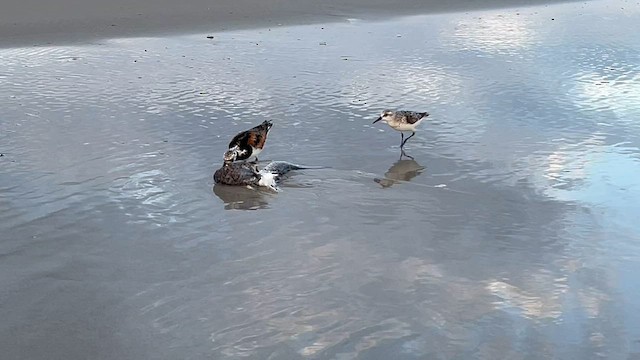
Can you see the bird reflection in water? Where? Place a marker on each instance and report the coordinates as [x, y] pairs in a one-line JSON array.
[[401, 170], [241, 197]]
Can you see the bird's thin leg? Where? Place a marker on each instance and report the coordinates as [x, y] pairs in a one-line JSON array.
[[401, 139], [405, 140], [402, 153]]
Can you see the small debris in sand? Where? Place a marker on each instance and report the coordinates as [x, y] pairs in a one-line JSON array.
[[323, 43], [398, 35], [209, 36], [1, 154]]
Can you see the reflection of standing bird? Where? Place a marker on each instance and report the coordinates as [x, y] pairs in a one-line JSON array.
[[401, 170], [402, 121], [250, 142]]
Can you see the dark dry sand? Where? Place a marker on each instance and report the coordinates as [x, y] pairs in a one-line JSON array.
[[30, 22]]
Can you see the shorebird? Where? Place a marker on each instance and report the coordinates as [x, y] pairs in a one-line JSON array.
[[245, 174], [250, 143], [402, 121]]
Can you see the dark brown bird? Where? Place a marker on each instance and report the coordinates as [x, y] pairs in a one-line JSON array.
[[246, 174], [250, 143], [242, 174]]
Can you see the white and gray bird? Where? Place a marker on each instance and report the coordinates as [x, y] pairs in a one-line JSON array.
[[402, 120]]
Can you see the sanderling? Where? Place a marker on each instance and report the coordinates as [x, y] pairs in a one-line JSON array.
[[402, 121], [250, 142]]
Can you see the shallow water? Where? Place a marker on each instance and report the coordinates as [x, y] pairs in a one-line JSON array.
[[512, 234]]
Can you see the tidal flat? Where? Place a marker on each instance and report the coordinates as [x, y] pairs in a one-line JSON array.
[[511, 234]]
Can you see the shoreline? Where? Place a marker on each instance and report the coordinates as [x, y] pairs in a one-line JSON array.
[[67, 21]]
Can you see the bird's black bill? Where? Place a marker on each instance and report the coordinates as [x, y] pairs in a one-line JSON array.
[[378, 119]]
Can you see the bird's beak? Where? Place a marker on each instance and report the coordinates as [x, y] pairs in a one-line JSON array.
[[378, 119]]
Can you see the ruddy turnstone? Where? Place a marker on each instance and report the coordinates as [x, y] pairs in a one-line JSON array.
[[402, 121], [250, 143]]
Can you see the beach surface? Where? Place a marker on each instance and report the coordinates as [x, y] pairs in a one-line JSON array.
[[511, 231], [32, 22]]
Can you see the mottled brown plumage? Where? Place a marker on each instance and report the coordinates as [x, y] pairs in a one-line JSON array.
[[237, 174]]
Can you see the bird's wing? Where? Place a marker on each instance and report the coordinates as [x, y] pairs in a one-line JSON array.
[[257, 139], [412, 118], [239, 138]]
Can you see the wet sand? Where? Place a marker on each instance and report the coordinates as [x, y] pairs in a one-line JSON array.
[[32, 22], [512, 233]]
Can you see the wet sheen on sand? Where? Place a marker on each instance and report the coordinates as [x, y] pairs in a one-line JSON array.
[[513, 233]]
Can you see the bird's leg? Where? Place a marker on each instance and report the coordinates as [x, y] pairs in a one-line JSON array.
[[401, 139], [405, 140], [402, 153]]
